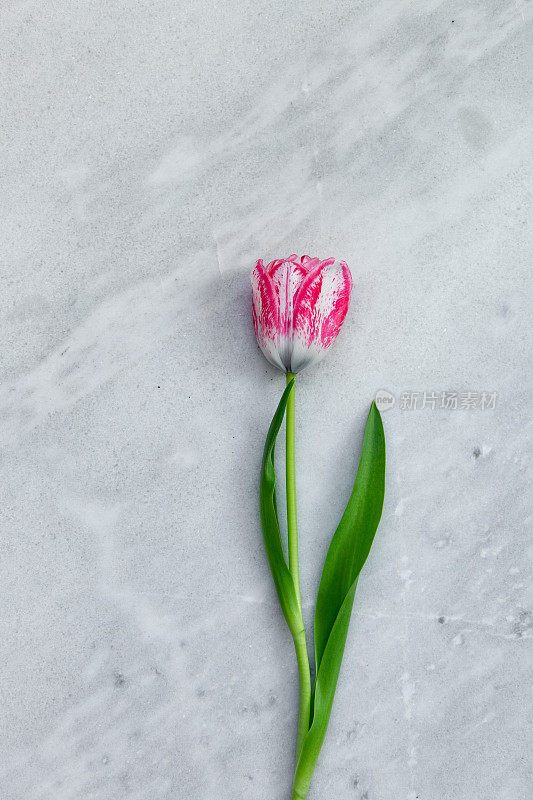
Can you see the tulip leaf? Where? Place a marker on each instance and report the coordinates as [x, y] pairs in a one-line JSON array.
[[346, 556], [270, 524], [353, 538]]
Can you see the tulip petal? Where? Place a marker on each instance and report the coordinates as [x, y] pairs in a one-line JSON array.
[[286, 277], [265, 314], [320, 306]]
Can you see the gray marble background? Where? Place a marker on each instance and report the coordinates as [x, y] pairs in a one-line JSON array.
[[150, 151]]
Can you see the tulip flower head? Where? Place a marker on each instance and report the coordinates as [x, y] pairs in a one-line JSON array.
[[299, 305]]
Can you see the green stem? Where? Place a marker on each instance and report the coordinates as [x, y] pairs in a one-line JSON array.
[[291, 494], [305, 690], [299, 640]]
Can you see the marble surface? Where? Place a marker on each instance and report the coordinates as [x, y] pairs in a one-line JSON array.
[[150, 152]]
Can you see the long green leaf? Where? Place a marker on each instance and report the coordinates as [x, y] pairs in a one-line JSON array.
[[269, 522], [353, 538], [346, 556]]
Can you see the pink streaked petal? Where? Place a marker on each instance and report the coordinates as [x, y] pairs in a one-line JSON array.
[[321, 303], [272, 267], [333, 322], [286, 277], [309, 262], [287, 267], [265, 303], [301, 261]]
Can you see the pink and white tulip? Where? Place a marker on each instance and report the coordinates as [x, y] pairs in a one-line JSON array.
[[299, 305]]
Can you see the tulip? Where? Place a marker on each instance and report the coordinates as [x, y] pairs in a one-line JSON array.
[[299, 305]]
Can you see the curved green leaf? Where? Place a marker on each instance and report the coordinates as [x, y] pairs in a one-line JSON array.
[[353, 538], [270, 525], [346, 556]]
